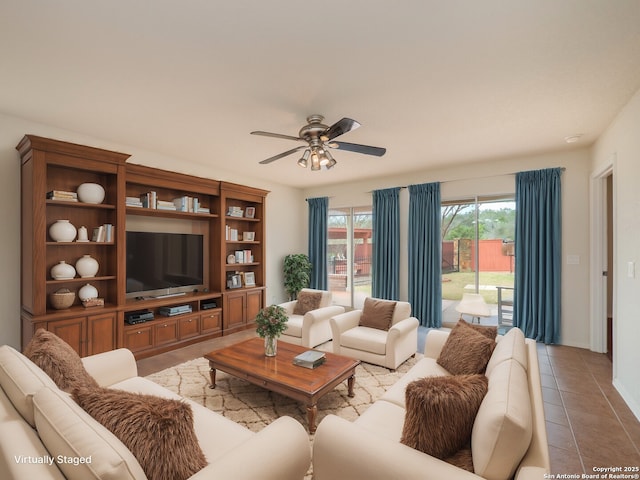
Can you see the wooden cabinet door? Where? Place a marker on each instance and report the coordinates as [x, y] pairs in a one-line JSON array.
[[101, 333], [254, 304], [138, 338], [188, 327], [166, 332], [211, 321], [234, 310], [73, 331]]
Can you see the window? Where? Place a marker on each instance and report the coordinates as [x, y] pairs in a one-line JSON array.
[[349, 252]]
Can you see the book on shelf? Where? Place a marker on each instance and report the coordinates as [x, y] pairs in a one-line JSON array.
[[133, 202], [231, 234], [244, 256], [98, 234], [103, 233], [149, 199], [310, 359], [189, 204], [165, 205], [181, 203], [62, 195], [108, 232], [235, 212]]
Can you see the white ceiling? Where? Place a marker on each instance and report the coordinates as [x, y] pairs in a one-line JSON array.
[[434, 81]]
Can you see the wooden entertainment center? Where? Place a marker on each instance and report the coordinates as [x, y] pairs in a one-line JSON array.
[[231, 219]]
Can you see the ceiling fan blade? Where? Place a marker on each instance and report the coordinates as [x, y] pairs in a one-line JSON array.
[[283, 154], [278, 135], [354, 147], [340, 127]]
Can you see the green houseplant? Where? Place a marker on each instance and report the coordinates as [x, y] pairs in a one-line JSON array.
[[271, 321], [297, 271]]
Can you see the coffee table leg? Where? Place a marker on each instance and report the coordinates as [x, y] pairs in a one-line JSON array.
[[312, 411], [212, 374], [350, 382]]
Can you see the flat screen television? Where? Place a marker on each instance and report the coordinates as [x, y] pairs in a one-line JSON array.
[[162, 264]]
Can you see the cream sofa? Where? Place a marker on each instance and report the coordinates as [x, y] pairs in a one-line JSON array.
[[39, 422], [312, 328], [509, 435]]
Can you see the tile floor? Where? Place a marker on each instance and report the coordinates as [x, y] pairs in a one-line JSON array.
[[588, 423]]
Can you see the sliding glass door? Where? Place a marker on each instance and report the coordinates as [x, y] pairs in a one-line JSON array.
[[478, 255], [349, 251]]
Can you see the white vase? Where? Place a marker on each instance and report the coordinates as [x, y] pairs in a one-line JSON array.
[[62, 231], [87, 266], [82, 234], [87, 292], [90, 193], [63, 271]]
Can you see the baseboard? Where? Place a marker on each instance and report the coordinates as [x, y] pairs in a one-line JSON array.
[[627, 397]]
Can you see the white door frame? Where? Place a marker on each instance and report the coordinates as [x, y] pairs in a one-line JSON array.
[[598, 282]]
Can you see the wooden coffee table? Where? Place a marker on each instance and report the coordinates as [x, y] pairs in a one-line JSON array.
[[278, 374]]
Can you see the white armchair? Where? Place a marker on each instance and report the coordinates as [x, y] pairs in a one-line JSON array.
[[310, 328], [388, 348]]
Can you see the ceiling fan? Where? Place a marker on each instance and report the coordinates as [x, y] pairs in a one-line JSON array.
[[318, 138]]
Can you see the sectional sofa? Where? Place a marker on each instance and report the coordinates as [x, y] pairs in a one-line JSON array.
[[44, 434], [508, 438]]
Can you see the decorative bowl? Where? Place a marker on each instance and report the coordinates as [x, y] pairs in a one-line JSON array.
[[62, 299], [91, 193]]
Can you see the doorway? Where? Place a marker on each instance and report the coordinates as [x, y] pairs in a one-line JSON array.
[[610, 264], [603, 260]]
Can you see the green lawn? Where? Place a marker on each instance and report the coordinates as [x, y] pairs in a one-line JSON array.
[[453, 284]]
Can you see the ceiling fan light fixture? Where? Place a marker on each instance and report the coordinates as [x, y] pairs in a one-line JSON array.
[[304, 159], [317, 138], [315, 162], [327, 160]]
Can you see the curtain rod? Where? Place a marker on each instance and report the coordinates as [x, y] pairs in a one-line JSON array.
[[468, 178]]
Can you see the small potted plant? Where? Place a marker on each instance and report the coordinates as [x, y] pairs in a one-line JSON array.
[[297, 271], [271, 321]]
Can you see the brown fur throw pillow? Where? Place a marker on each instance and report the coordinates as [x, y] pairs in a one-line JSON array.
[[488, 331], [462, 459], [377, 313], [441, 412], [58, 360], [158, 431], [306, 302], [466, 351]]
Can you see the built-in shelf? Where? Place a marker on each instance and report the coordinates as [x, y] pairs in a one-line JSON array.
[[56, 165]]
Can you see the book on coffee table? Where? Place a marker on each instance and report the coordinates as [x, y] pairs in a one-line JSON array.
[[309, 359]]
